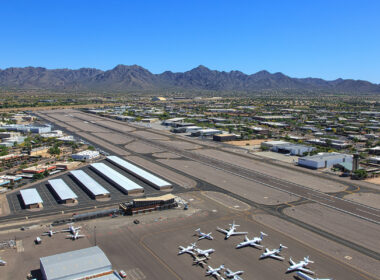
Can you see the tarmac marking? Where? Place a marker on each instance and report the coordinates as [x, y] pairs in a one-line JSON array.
[[367, 212], [19, 246]]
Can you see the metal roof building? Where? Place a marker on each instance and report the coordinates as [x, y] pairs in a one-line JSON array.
[[145, 176], [120, 181], [79, 264], [324, 160], [63, 191], [31, 198], [93, 188]]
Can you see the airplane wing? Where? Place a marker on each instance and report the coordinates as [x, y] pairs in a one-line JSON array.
[[276, 257], [304, 276], [45, 233], [306, 270], [78, 236], [222, 230], [65, 230], [256, 245], [239, 233]]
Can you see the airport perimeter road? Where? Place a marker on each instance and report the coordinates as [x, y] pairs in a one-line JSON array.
[[332, 201]]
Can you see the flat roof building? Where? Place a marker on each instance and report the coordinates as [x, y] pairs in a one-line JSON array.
[[89, 263], [324, 160], [143, 175], [31, 198], [93, 188], [63, 191], [124, 184], [85, 155]]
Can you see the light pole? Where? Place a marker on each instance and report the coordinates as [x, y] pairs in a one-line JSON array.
[[95, 234]]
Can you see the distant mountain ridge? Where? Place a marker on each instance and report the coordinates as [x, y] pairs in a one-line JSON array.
[[137, 78]]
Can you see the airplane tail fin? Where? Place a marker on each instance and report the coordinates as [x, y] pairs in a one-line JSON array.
[[198, 230], [282, 247], [262, 234], [307, 259]]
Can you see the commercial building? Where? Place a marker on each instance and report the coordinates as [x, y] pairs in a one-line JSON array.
[[39, 169], [67, 165], [158, 98], [93, 188], [63, 191], [287, 148], [324, 160], [124, 184], [4, 182], [85, 155], [31, 198], [27, 128], [224, 137], [39, 152], [205, 132], [140, 173], [89, 263]]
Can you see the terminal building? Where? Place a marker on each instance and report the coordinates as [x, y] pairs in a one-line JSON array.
[[89, 263], [140, 173], [62, 191], [31, 198]]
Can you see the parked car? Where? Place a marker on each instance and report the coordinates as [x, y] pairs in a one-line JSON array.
[[123, 274]]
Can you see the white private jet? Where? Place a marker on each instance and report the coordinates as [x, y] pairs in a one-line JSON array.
[[71, 229], [233, 275], [199, 260], [275, 253], [2, 262], [188, 249], [301, 266], [254, 242], [205, 253], [231, 231], [50, 233], [75, 236], [203, 235], [307, 277], [214, 271]]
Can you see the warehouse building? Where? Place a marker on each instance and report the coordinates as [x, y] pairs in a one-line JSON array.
[[206, 132], [287, 148], [89, 263], [93, 188], [224, 137], [124, 184], [324, 160], [85, 155], [31, 198], [62, 191], [143, 175]]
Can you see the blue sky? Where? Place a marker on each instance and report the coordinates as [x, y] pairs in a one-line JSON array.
[[301, 38]]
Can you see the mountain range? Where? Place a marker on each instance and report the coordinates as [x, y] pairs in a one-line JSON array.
[[124, 78]]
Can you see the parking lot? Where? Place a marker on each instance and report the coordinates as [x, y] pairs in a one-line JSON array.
[[84, 200]]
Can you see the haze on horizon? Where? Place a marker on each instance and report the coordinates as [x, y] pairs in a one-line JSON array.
[[324, 39]]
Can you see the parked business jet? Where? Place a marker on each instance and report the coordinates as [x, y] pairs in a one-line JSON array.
[[203, 235], [188, 249], [2, 262], [275, 253], [215, 271], [254, 242], [231, 231], [71, 229], [205, 253], [233, 275], [300, 266], [50, 233], [201, 261], [76, 235]]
